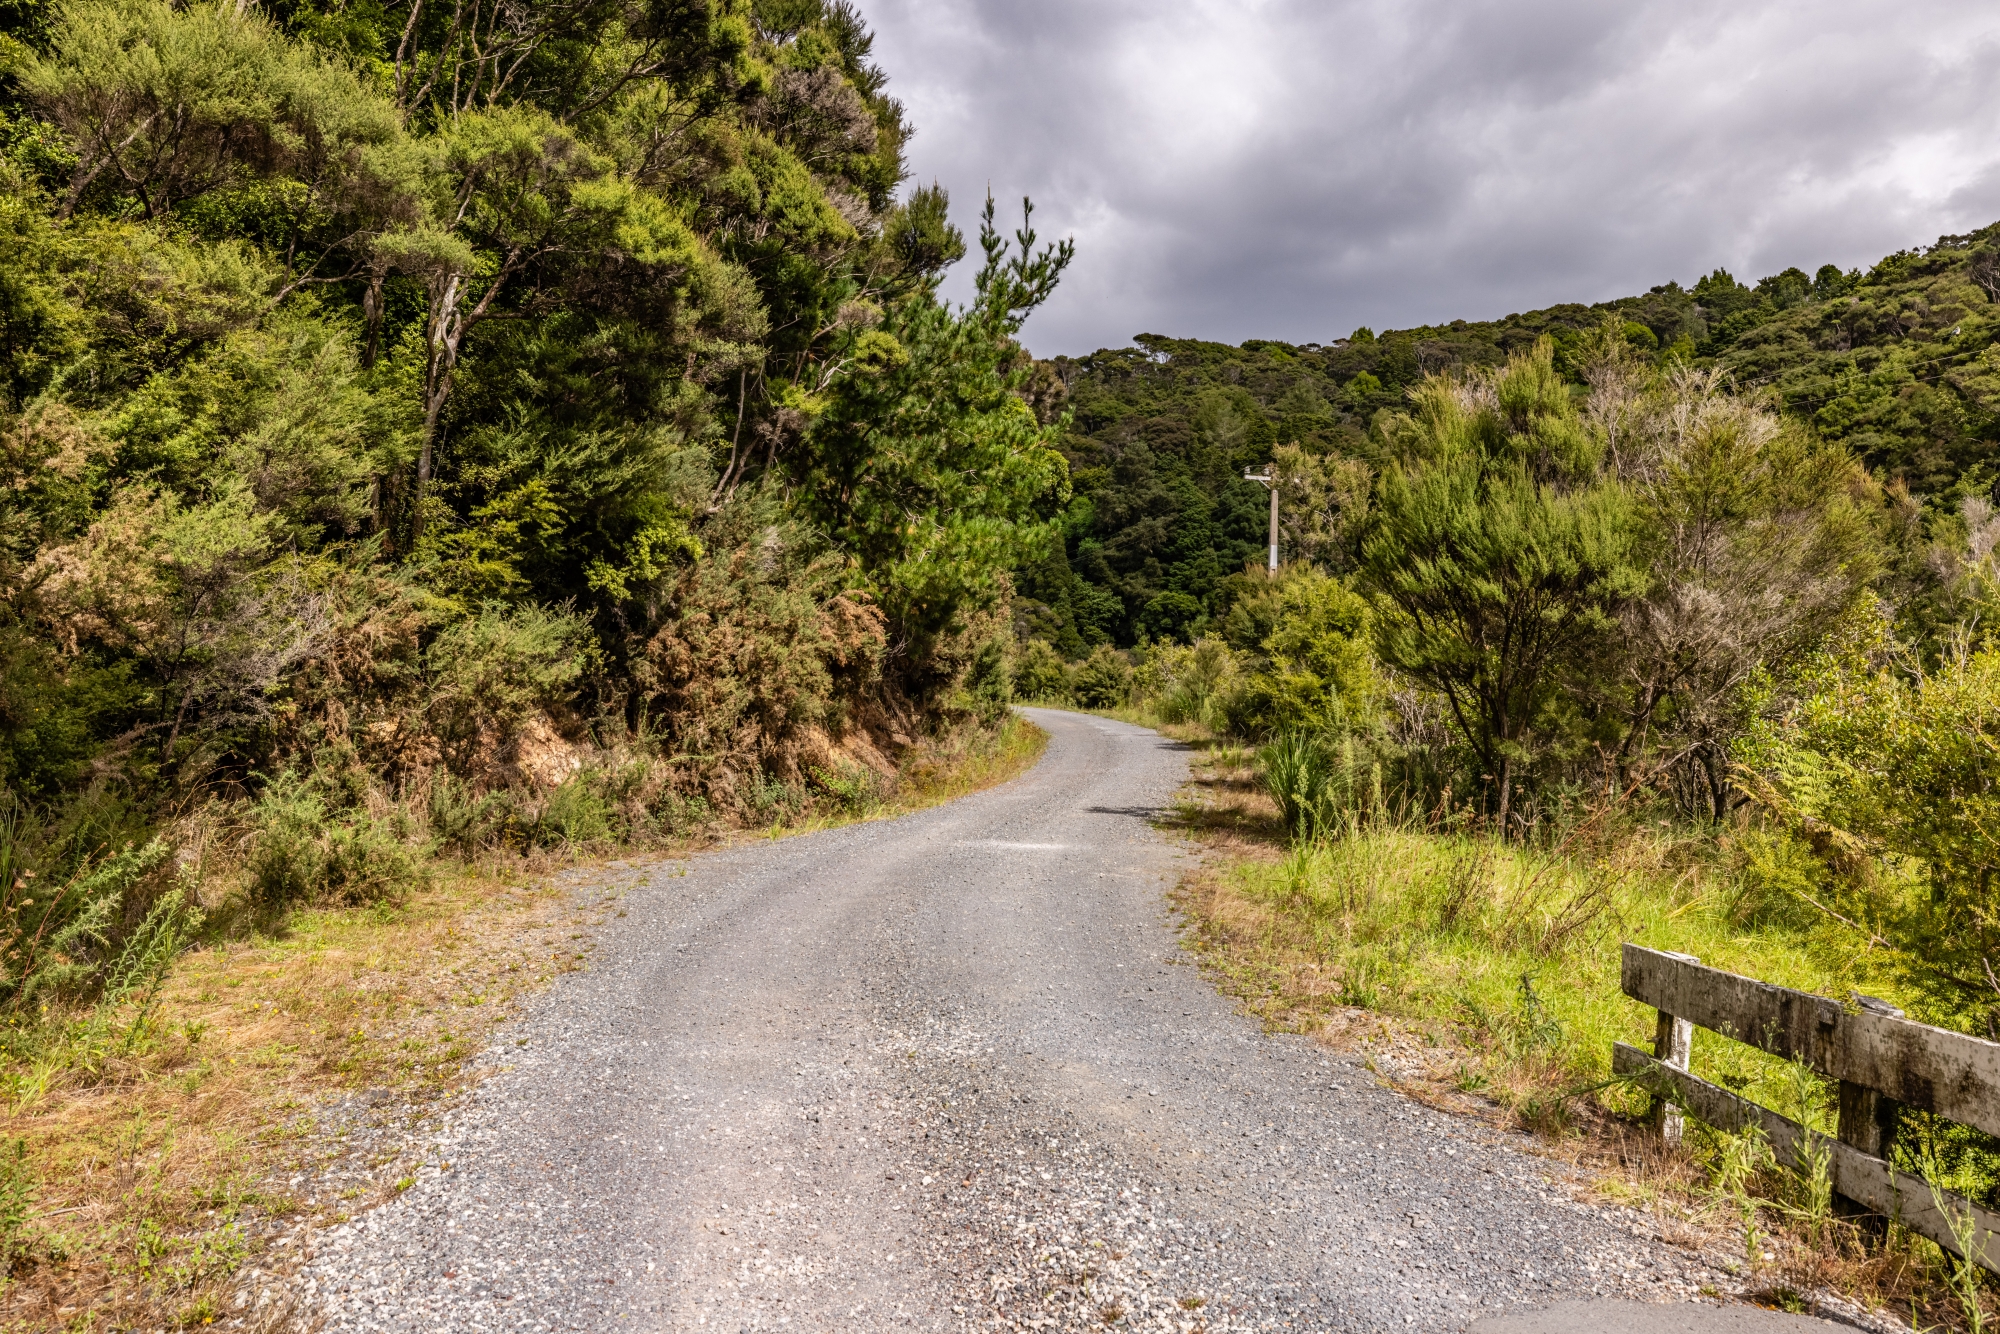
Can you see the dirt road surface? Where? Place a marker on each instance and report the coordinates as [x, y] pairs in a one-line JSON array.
[[952, 1072]]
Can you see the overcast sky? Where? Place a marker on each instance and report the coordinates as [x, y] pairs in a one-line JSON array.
[[1291, 169]]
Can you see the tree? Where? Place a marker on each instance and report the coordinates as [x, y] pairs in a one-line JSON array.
[[1322, 505], [923, 462], [167, 106], [1758, 539], [517, 192], [1501, 554]]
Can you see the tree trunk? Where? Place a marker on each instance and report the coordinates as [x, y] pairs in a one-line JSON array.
[[371, 310], [441, 336], [1718, 793]]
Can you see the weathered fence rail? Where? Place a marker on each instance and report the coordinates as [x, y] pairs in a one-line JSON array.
[[1883, 1062]]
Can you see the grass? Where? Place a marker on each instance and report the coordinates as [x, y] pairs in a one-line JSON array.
[[973, 765], [1518, 949], [158, 1172], [1483, 977], [151, 1160]]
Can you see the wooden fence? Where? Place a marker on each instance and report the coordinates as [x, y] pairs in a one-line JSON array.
[[1882, 1061]]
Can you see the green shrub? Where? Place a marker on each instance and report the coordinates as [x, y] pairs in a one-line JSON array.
[[772, 799], [1196, 684], [1102, 681], [989, 681], [466, 824], [287, 865], [677, 813], [1040, 675], [1318, 673], [573, 814], [1894, 782], [304, 853], [370, 861], [1778, 879], [629, 788], [490, 673], [853, 788]]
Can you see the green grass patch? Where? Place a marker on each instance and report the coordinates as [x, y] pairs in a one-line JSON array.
[[1516, 951]]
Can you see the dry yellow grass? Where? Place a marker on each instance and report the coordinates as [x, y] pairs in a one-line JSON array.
[[158, 1173], [168, 1163]]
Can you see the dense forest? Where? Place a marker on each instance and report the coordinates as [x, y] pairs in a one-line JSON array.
[[1896, 365], [457, 425]]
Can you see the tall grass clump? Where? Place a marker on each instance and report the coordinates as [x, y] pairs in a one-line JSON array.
[[1325, 787]]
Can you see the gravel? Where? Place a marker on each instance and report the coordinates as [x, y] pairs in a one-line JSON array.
[[952, 1072]]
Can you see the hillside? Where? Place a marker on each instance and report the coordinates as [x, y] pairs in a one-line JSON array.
[[379, 432], [1896, 364]]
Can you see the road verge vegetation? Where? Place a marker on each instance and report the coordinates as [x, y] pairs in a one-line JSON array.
[[1481, 977], [171, 1144]]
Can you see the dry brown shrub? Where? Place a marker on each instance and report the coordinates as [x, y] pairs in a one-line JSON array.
[[764, 660]]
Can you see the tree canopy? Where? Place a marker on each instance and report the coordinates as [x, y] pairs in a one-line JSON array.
[[339, 341]]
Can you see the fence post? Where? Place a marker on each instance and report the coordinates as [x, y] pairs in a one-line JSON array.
[[1868, 1123], [1673, 1044], [1881, 1060]]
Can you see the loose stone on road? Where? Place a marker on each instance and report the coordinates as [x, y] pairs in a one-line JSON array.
[[952, 1072]]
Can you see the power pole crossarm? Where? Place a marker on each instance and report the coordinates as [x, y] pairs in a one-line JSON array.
[[1269, 479]]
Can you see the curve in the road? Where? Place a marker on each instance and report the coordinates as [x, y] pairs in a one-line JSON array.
[[952, 1072]]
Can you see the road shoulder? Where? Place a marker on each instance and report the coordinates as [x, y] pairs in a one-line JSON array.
[[284, 1082]]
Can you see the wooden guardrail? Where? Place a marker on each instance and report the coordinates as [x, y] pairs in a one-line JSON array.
[[1882, 1061]]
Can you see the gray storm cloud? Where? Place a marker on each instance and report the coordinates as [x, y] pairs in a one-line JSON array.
[[1292, 169]]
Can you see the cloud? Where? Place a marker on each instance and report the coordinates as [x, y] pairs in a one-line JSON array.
[[1294, 168]]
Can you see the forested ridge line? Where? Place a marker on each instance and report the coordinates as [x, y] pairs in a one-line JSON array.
[[1894, 364]]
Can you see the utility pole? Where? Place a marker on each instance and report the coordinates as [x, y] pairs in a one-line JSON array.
[[1269, 479]]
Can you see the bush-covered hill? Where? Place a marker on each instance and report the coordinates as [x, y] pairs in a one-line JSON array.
[[439, 426], [1897, 364]]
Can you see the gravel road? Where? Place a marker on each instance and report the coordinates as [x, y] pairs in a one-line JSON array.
[[950, 1072]]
